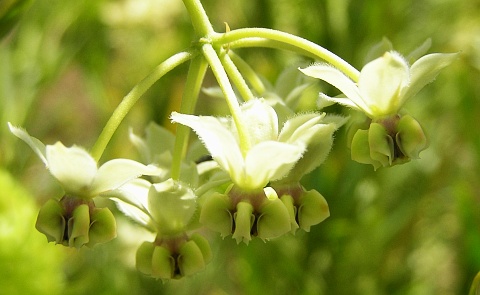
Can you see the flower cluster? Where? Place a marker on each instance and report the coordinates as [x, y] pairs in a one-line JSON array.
[[242, 177]]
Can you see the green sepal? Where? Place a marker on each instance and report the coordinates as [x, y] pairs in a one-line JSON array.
[[244, 220], [143, 258], [215, 214], [78, 226], [163, 264], [381, 144], [103, 227], [288, 202], [273, 220], [190, 259], [50, 221], [410, 137], [312, 210]]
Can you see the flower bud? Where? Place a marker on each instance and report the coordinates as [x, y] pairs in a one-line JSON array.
[[273, 220], [410, 137]]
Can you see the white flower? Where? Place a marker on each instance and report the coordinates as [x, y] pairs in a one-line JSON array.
[[385, 83], [77, 171], [269, 154]]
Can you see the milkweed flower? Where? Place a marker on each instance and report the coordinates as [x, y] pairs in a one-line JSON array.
[[384, 86], [74, 220], [249, 207]]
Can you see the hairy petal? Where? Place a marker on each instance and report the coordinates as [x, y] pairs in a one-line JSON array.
[[425, 70], [37, 146], [217, 138], [381, 81], [336, 78], [74, 168]]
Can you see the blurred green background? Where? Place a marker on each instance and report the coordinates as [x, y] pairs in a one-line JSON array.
[[411, 229]]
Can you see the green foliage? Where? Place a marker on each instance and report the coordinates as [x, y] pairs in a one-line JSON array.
[[27, 264]]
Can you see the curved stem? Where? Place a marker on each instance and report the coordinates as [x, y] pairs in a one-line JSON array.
[[196, 73], [132, 97], [201, 23], [289, 39], [222, 79], [248, 73], [236, 76]]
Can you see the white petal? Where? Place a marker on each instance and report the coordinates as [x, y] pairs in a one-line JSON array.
[[115, 173], [381, 81], [267, 161], [73, 167], [425, 70], [298, 127], [132, 199], [261, 121], [217, 138], [325, 100], [336, 78], [37, 146]]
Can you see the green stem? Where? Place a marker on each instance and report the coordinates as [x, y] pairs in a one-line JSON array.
[[196, 73], [201, 23], [236, 76], [222, 79], [292, 40], [248, 73], [132, 97]]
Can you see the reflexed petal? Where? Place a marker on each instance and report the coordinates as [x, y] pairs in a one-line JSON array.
[[381, 82], [36, 145], [325, 101], [115, 173], [293, 125], [268, 161], [218, 139], [261, 121], [74, 168], [425, 70], [336, 78], [132, 199]]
